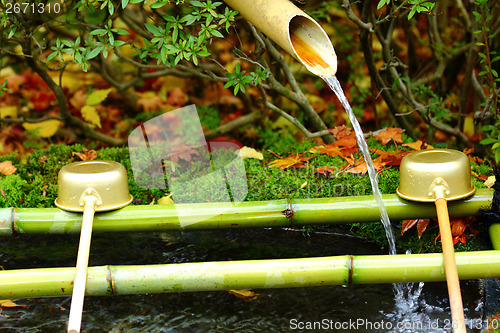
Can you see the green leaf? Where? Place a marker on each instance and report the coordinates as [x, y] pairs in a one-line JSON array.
[[197, 3], [487, 141], [159, 4], [92, 54], [52, 56], [124, 3], [152, 29], [217, 34]]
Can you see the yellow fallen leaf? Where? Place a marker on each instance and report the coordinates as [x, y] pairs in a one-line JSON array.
[[245, 294], [6, 168], [8, 111], [9, 303], [247, 152], [489, 182], [89, 113], [98, 96], [304, 184], [166, 200], [45, 129]]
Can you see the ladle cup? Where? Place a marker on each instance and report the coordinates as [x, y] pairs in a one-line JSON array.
[[440, 175], [89, 187]]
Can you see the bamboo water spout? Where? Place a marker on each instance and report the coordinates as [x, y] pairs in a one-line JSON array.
[[292, 29]]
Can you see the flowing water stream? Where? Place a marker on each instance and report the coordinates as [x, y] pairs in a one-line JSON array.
[[334, 84], [408, 304]]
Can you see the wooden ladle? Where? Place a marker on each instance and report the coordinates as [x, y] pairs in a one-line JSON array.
[[440, 175], [89, 187]]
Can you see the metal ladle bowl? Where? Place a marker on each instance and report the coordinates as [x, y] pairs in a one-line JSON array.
[[437, 176], [108, 178], [422, 170], [87, 187]]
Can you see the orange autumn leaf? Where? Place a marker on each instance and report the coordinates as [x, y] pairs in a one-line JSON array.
[[149, 102], [468, 152], [182, 152], [87, 155], [245, 294], [10, 303], [458, 226], [347, 141], [331, 150], [361, 167], [390, 133], [418, 145], [325, 170], [341, 131], [6, 168], [390, 158], [295, 161]]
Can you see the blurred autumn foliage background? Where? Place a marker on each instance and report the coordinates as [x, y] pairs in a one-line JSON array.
[[91, 71]]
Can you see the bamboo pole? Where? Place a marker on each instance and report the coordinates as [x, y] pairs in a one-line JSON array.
[[293, 30], [248, 214], [452, 280], [495, 235], [82, 261], [224, 275]]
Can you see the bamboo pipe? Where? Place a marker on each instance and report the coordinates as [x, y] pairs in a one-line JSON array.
[[76, 309], [452, 280], [223, 275], [495, 235], [292, 29], [247, 214]]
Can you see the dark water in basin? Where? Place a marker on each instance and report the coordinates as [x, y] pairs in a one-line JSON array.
[[357, 308]]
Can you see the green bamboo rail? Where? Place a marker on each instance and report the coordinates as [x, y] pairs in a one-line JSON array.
[[224, 275], [495, 236], [276, 213]]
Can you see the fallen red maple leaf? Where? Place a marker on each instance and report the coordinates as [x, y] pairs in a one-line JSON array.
[[326, 171], [420, 223], [390, 133], [360, 166], [87, 155], [341, 131], [458, 226], [390, 158], [418, 145], [295, 161]]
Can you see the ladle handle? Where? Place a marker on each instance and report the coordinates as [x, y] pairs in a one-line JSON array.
[[76, 309], [450, 265]]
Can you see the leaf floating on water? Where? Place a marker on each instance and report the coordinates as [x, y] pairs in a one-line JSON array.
[[245, 294], [9, 303], [7, 168]]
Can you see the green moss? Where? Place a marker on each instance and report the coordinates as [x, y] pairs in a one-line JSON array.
[[34, 184]]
